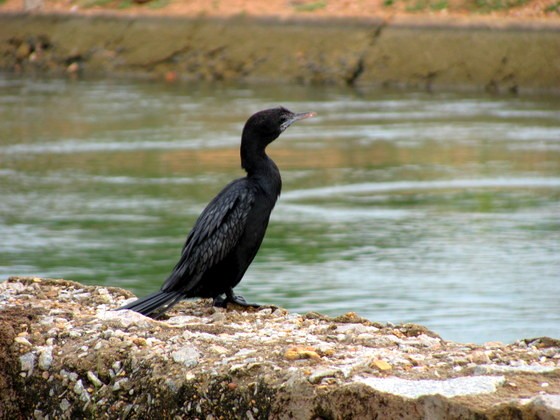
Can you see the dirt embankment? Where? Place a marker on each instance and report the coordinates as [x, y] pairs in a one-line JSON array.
[[65, 353], [427, 53]]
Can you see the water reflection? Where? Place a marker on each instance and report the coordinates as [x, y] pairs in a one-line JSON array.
[[440, 208]]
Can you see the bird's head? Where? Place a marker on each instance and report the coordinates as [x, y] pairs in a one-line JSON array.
[[265, 126]]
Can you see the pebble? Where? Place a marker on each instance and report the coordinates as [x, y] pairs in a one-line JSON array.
[[219, 349], [121, 384], [294, 353], [27, 362], [187, 355], [479, 357], [45, 357], [318, 375], [125, 318], [218, 317], [94, 379], [79, 387], [64, 405], [23, 341], [381, 365], [183, 320]]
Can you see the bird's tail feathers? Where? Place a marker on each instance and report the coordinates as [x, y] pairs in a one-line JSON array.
[[156, 304]]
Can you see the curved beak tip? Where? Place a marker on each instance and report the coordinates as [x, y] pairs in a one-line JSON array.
[[304, 115]]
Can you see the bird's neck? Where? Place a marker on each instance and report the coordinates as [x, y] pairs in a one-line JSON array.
[[262, 169]]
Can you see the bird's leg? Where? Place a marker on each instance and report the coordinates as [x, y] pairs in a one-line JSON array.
[[238, 300], [220, 302]]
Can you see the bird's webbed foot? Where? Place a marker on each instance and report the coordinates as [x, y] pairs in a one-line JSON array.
[[221, 302], [240, 300]]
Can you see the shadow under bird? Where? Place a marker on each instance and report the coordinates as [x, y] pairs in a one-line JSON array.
[[230, 230]]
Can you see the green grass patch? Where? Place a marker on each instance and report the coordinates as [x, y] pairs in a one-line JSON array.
[[472, 6], [310, 7], [422, 5], [418, 5], [487, 6], [158, 4], [124, 4], [553, 8], [95, 3]]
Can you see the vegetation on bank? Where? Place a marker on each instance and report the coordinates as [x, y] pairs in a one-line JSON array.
[[408, 6], [324, 8]]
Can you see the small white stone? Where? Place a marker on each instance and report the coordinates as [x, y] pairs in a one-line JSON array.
[[244, 352], [23, 341], [119, 384], [218, 349], [183, 320], [64, 405], [45, 357], [118, 333], [125, 318], [47, 320], [79, 387], [187, 355], [27, 362]]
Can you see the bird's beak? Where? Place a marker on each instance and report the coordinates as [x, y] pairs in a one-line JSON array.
[[297, 117], [303, 116]]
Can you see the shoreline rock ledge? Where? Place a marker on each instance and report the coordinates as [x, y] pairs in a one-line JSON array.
[[65, 353]]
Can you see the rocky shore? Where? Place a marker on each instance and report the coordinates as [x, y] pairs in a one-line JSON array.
[[423, 53], [66, 353]]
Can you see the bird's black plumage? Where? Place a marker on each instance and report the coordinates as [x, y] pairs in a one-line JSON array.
[[230, 230]]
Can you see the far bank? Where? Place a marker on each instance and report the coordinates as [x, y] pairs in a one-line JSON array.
[[427, 55]]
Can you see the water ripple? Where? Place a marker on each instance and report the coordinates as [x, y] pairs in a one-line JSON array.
[[384, 187]]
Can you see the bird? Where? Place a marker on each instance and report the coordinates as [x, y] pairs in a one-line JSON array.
[[229, 231]]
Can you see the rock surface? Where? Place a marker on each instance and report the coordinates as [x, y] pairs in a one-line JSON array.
[[65, 353]]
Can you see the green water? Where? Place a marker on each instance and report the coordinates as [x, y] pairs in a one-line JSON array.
[[441, 209]]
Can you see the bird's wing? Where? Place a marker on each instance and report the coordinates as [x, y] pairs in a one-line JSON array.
[[214, 235]]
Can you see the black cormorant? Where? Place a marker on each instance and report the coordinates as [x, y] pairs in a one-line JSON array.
[[229, 232]]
